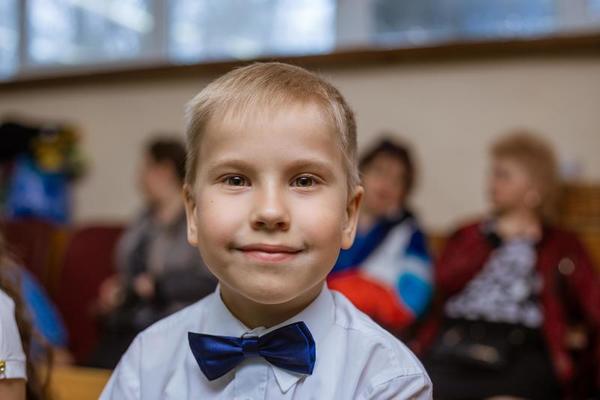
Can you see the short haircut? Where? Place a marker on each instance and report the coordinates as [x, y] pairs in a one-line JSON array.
[[169, 150], [400, 152], [269, 86], [537, 157]]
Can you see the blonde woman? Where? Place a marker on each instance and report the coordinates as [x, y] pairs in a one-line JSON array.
[[506, 285]]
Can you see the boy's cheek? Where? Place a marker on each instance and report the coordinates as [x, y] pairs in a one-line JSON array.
[[322, 227], [216, 227]]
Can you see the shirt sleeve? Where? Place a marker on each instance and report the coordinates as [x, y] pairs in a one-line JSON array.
[[12, 357], [124, 383], [389, 385]]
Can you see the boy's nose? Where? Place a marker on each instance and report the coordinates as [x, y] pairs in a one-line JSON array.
[[270, 212]]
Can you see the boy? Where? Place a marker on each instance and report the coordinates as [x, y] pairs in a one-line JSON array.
[[272, 194]]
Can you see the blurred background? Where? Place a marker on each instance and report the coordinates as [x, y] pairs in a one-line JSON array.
[[448, 75], [86, 84]]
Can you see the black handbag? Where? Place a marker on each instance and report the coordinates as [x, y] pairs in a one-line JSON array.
[[477, 344]]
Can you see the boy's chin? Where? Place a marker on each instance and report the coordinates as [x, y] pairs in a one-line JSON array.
[[275, 294], [270, 295]]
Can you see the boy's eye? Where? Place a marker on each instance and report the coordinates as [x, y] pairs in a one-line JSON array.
[[236, 180], [304, 181]]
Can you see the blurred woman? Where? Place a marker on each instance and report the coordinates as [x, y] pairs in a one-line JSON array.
[[159, 272], [387, 271], [504, 284]]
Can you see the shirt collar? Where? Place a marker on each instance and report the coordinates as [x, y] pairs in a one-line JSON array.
[[318, 316]]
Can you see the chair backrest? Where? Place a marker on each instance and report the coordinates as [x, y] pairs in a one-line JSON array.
[[580, 212], [30, 242], [88, 261]]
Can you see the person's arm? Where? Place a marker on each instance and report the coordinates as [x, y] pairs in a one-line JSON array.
[[464, 253], [12, 358], [584, 285], [412, 386], [12, 389]]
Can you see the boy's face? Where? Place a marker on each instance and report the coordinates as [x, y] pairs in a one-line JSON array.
[[270, 209]]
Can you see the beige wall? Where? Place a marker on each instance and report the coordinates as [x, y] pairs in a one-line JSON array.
[[449, 111]]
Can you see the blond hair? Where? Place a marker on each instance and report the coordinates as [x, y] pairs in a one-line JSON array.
[[271, 86], [537, 157]]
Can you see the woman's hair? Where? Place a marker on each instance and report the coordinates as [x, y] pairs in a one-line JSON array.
[[170, 150], [537, 157], [396, 150], [36, 387]]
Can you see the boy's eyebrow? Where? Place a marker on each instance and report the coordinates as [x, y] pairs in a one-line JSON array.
[[296, 164], [229, 162], [322, 165]]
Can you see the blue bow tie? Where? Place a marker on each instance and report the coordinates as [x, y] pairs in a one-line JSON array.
[[290, 347]]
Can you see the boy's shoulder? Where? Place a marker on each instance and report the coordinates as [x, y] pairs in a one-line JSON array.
[[377, 343], [6, 302]]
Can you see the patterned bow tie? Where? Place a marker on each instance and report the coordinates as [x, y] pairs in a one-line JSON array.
[[290, 347]]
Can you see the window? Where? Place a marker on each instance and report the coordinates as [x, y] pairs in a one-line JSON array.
[[245, 29], [37, 36], [9, 38], [79, 32]]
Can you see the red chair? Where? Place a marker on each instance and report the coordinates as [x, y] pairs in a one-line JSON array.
[[88, 261], [31, 242]]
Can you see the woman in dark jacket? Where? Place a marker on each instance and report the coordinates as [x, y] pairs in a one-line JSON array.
[[508, 287]]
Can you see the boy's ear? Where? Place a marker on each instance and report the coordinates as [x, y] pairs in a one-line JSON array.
[[352, 211], [190, 213]]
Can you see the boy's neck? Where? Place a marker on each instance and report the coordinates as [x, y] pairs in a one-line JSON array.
[[253, 314]]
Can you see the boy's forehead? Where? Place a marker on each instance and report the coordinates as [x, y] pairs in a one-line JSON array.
[[268, 121], [291, 133], [265, 113]]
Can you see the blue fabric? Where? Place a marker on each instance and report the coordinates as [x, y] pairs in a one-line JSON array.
[[417, 246], [291, 347], [365, 243], [413, 289], [414, 292], [44, 315], [36, 193]]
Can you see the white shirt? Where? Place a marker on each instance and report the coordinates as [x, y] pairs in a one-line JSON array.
[[11, 350], [355, 359]]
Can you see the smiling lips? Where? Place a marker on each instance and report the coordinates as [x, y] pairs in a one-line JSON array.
[[269, 253]]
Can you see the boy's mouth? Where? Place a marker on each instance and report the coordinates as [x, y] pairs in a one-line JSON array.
[[269, 252]]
